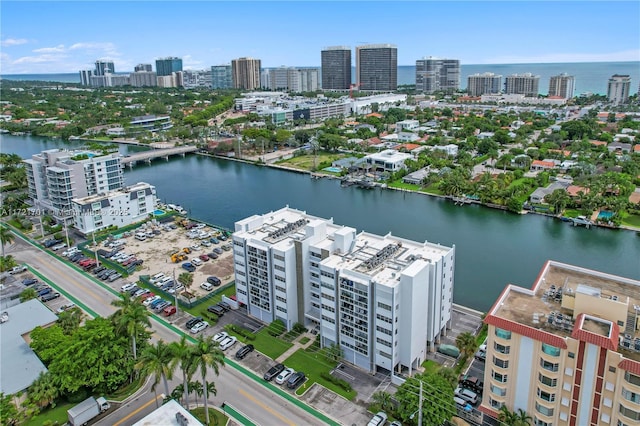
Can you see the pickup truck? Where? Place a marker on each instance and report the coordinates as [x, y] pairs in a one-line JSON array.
[[18, 269]]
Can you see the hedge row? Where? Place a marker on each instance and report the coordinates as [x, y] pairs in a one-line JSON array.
[[338, 382], [241, 331]]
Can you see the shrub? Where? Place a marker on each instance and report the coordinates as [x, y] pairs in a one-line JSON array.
[[299, 328], [241, 331], [338, 382], [276, 328]]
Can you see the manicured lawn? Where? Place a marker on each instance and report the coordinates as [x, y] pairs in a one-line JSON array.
[[402, 185], [216, 418], [306, 162], [572, 213], [431, 366], [314, 364], [269, 345], [304, 340], [201, 309], [57, 415], [630, 220], [433, 189]]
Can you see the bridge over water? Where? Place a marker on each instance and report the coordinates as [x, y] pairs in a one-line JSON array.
[[147, 156]]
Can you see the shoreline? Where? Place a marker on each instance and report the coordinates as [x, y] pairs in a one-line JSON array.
[[317, 175]]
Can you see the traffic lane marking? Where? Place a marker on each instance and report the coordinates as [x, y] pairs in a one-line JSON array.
[[267, 408]]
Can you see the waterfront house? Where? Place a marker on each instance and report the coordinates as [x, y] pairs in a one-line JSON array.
[[541, 165], [388, 160], [538, 195]]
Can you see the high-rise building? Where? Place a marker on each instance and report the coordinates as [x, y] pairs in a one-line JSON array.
[[85, 77], [166, 66], [246, 73], [384, 300], [192, 79], [290, 79], [567, 350], [377, 67], [437, 75], [618, 89], [562, 85], [522, 84], [143, 79], [55, 177], [221, 77], [486, 83], [143, 67], [336, 68], [104, 67]]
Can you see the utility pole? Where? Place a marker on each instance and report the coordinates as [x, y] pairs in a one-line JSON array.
[[175, 293], [420, 406], [95, 248]]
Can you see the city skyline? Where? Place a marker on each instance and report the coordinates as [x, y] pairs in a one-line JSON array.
[[287, 33]]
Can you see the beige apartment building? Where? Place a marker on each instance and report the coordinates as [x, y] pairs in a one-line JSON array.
[[567, 350]]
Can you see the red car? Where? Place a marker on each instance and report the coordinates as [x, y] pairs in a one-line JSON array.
[[146, 296], [204, 257], [169, 310], [86, 262], [129, 261]]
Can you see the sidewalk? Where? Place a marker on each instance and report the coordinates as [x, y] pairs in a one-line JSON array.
[[297, 345]]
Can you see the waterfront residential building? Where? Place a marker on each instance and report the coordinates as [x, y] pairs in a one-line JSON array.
[[618, 89], [522, 84], [566, 350], [365, 105], [192, 79], [104, 67], [167, 66], [384, 300], [437, 75], [336, 68], [55, 177], [85, 77], [149, 123], [143, 79], [388, 160], [246, 73], [486, 83], [377, 67], [221, 77], [119, 208], [143, 67], [562, 85]]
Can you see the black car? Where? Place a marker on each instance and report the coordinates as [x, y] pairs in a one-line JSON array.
[[50, 296], [273, 372], [29, 281], [218, 310], [51, 243], [295, 380], [99, 269], [212, 255], [102, 252], [76, 257], [44, 291], [214, 280], [217, 250], [193, 321], [244, 351], [225, 306]]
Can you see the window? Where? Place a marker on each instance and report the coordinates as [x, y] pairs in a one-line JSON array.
[[547, 380], [503, 334], [502, 378], [550, 350], [384, 306], [500, 362], [548, 365], [631, 396], [538, 422], [501, 348], [383, 342], [498, 390], [383, 330], [495, 404], [630, 413], [544, 410], [632, 378], [278, 257], [546, 396], [612, 369]]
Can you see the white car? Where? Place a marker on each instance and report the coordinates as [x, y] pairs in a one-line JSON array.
[[201, 225], [58, 247], [228, 342], [127, 287], [70, 252], [380, 419], [195, 247], [206, 243], [157, 278], [17, 269], [150, 300], [206, 286], [282, 377], [125, 258], [196, 261], [220, 336], [199, 327]]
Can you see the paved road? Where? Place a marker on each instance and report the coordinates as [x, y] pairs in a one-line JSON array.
[[255, 401]]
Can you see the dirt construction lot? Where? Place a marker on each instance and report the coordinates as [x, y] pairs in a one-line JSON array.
[[156, 253]]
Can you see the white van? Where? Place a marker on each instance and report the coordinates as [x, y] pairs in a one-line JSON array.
[[117, 243], [157, 277], [141, 236]]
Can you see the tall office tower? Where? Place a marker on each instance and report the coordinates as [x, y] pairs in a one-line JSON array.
[[104, 67], [437, 75], [618, 89], [85, 77], [562, 85], [336, 68], [246, 73], [522, 84], [384, 300], [482, 84], [221, 77], [143, 67], [166, 66], [278, 78], [377, 67], [566, 350]]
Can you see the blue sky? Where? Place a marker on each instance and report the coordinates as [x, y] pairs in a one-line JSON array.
[[57, 37]]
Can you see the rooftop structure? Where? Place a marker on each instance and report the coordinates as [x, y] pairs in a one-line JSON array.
[[20, 365], [388, 160], [169, 414], [562, 85], [167, 66]]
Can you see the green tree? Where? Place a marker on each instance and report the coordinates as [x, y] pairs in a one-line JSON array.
[[466, 342], [28, 294], [183, 357], [8, 411], [186, 279], [437, 407], [43, 391], [132, 318], [206, 355], [382, 400], [6, 263], [6, 237], [558, 199], [513, 418], [70, 320], [157, 360]]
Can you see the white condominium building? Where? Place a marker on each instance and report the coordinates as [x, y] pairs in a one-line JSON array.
[[618, 89], [384, 300]]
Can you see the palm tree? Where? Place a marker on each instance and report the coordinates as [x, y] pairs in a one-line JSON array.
[[157, 360], [182, 353], [207, 354], [7, 262], [382, 399], [28, 294], [6, 237], [466, 343], [132, 317], [513, 418], [522, 418], [43, 391], [70, 320]]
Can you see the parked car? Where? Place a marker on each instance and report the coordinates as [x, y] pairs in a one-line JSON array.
[[473, 383], [99, 269], [140, 292], [212, 255], [58, 246], [295, 380], [244, 351], [127, 287], [72, 250], [228, 342], [206, 243], [226, 247], [157, 278], [214, 280], [204, 257], [379, 419], [146, 296], [44, 291], [49, 296], [206, 286], [225, 306], [196, 261], [192, 322], [284, 375], [52, 242], [217, 250], [216, 310], [219, 337], [214, 240], [222, 237], [114, 277], [188, 267], [169, 310], [480, 355], [199, 327], [462, 404], [157, 302], [17, 269], [467, 394], [66, 307], [395, 423], [160, 306], [273, 372], [29, 281], [148, 301]]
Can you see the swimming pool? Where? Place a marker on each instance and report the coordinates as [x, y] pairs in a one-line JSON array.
[[332, 169], [158, 212], [605, 215]]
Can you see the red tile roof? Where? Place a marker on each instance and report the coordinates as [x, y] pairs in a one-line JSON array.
[[630, 365], [610, 343], [374, 114], [573, 190], [598, 143], [408, 146], [541, 163], [525, 330], [636, 148]]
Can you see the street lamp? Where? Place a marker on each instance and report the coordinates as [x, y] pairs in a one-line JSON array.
[[419, 410]]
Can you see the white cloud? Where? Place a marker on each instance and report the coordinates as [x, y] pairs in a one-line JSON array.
[[623, 56], [13, 42], [47, 57], [105, 48], [189, 63], [57, 49]]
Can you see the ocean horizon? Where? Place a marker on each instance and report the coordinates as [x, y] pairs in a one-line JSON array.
[[591, 77]]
